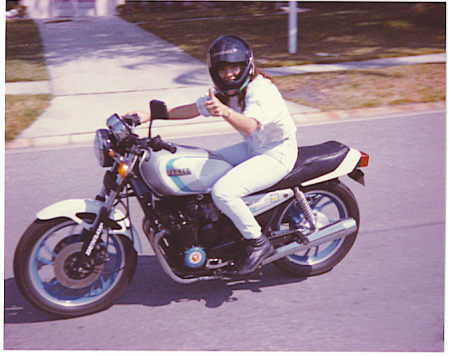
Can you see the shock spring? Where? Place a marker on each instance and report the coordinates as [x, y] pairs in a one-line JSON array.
[[305, 208]]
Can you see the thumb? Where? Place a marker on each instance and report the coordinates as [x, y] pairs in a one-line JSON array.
[[211, 93]]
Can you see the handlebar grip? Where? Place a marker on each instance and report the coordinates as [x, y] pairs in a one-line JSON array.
[[158, 144], [169, 147]]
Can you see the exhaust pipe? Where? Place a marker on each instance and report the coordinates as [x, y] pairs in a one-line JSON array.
[[154, 242], [338, 230]]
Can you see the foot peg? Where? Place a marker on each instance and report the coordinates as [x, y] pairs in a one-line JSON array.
[[301, 238]]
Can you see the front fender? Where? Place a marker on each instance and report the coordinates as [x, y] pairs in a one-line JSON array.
[[72, 208]]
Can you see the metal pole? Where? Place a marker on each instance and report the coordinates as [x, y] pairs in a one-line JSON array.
[[292, 27]]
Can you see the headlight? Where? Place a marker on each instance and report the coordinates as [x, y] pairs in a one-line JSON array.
[[102, 145], [118, 127]]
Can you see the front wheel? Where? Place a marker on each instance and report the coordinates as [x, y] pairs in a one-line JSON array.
[[52, 272], [330, 202]]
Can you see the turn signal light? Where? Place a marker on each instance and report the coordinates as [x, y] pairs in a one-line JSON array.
[[364, 160], [123, 170]]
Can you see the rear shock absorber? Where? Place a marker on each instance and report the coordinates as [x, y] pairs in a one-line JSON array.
[[305, 208]]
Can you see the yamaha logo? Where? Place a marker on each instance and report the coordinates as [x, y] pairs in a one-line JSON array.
[[178, 172]]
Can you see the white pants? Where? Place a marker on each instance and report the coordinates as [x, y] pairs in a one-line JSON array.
[[251, 173]]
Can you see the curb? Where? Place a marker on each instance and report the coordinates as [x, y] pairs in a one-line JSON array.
[[173, 131]]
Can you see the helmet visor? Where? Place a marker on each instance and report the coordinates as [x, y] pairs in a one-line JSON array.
[[230, 71]]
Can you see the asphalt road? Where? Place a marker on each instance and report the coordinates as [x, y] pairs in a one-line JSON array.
[[386, 295]]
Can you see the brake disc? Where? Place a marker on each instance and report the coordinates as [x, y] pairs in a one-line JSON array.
[[71, 272]]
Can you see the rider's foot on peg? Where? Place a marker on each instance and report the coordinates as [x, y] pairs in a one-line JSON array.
[[258, 249]]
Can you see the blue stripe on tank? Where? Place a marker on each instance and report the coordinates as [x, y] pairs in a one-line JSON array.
[[176, 179]]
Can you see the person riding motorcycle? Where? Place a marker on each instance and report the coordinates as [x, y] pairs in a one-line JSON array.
[[249, 101]]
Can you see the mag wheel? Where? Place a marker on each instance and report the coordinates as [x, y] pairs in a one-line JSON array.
[[330, 202], [54, 274]]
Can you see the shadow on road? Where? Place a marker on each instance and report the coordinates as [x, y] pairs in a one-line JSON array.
[[152, 287], [17, 308]]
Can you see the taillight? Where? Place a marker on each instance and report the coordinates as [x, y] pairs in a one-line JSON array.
[[364, 160]]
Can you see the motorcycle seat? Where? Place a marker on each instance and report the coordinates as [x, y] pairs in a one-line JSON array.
[[312, 162]]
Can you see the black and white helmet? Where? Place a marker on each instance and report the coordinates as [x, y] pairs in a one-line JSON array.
[[227, 50]]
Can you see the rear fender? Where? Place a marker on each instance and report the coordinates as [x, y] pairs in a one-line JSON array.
[[74, 208]]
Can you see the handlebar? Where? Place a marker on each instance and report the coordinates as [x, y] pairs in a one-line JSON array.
[[157, 144], [132, 120], [158, 110]]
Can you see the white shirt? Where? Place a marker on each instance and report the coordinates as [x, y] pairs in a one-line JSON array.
[[276, 132]]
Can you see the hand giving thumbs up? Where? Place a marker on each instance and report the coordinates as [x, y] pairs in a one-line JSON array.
[[215, 106]]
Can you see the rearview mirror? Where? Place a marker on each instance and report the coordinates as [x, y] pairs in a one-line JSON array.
[[158, 109]]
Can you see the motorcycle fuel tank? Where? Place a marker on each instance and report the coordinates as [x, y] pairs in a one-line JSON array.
[[190, 170]]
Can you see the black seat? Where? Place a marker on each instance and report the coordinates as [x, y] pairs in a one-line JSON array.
[[312, 162]]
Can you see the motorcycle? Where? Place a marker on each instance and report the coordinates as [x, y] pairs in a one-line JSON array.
[[79, 255]]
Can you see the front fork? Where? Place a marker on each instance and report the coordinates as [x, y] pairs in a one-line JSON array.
[[108, 194]]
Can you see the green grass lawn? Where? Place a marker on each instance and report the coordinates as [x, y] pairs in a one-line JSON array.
[[24, 59], [24, 62], [21, 111], [327, 33], [366, 88]]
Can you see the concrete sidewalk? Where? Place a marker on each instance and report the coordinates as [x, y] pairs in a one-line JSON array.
[[99, 66]]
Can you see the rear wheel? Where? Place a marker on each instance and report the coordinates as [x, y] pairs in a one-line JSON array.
[[330, 202], [54, 274]]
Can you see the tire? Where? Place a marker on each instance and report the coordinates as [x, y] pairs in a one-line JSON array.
[[47, 272], [330, 201]]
